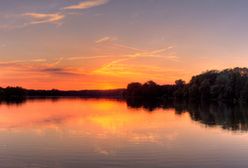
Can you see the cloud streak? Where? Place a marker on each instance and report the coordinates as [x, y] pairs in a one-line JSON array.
[[37, 66], [87, 4], [53, 18], [122, 66], [38, 18], [58, 71], [104, 39], [88, 58]]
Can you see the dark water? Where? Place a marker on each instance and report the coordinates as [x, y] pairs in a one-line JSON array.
[[75, 133]]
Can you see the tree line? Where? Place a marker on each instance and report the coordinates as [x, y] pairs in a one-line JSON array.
[[21, 93], [226, 85]]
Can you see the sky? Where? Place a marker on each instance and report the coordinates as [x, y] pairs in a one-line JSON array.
[[106, 44]]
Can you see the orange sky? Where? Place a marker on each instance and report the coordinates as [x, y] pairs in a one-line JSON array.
[[105, 44]]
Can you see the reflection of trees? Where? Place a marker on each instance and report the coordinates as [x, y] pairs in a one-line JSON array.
[[13, 101], [230, 117], [148, 104]]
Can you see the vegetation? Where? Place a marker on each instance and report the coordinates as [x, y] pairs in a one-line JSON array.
[[15, 93], [227, 85], [115, 93], [12, 93]]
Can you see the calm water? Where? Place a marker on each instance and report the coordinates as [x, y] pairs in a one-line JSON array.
[[75, 133]]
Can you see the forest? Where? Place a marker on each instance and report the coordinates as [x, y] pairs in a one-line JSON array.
[[226, 85]]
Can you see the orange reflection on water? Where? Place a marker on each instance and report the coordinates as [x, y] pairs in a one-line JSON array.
[[104, 119], [107, 132]]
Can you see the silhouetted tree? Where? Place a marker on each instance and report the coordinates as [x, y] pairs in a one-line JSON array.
[[180, 91], [14, 92], [134, 90]]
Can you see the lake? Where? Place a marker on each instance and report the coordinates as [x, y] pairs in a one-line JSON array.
[[101, 133]]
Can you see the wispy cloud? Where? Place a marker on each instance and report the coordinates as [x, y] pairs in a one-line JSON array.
[[87, 4], [104, 39], [39, 65], [18, 20], [137, 52], [38, 18], [122, 65], [130, 62], [57, 62], [39, 60], [12, 21], [58, 71], [88, 58]]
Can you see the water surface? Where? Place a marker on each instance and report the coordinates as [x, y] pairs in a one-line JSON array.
[[98, 133]]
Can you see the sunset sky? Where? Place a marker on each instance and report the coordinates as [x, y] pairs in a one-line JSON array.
[[105, 44]]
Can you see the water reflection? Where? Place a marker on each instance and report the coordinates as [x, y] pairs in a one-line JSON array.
[[99, 133], [228, 116], [16, 101]]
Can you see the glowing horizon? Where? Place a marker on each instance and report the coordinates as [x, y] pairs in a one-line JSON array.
[[106, 44]]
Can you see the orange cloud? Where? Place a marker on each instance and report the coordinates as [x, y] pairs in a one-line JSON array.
[[87, 4], [122, 65], [38, 18]]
